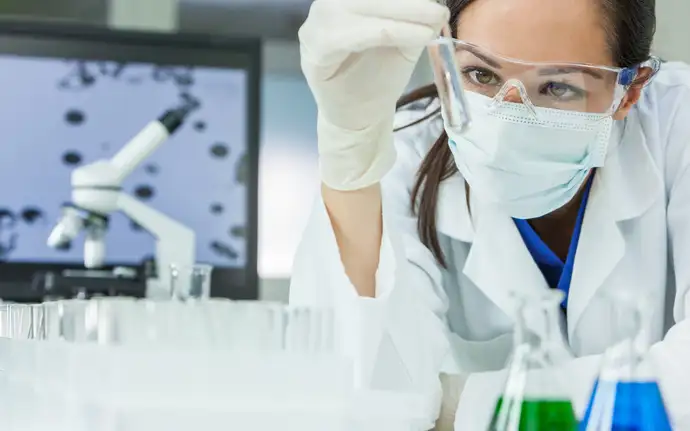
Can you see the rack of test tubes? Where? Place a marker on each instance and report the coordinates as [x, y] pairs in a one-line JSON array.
[[124, 364]]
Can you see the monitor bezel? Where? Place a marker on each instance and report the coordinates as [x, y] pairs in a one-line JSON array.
[[73, 40]]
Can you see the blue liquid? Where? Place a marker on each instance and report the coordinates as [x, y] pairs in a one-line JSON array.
[[637, 406]]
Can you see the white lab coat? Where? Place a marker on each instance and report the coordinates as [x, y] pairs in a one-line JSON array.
[[635, 236]]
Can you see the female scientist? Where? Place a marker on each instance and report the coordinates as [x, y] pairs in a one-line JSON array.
[[574, 175]]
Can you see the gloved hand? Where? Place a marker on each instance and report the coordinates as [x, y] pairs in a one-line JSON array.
[[358, 56]]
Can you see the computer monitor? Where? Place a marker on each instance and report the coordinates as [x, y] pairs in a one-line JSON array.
[[72, 95]]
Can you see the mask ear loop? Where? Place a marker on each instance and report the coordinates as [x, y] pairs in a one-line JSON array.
[[499, 99]]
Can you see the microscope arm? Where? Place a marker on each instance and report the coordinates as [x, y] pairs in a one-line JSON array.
[[175, 243], [146, 142]]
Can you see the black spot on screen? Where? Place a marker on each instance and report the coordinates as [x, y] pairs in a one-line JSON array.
[[144, 192], [242, 170], [71, 158], [220, 150], [224, 250], [31, 215], [200, 126], [151, 169], [75, 117], [238, 231], [217, 208]]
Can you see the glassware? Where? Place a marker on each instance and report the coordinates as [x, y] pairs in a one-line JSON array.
[[626, 395], [536, 401], [454, 107], [190, 282]]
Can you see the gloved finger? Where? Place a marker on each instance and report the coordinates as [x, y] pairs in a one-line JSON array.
[[425, 12], [351, 34], [410, 39], [332, 20]]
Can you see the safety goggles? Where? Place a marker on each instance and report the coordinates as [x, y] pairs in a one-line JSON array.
[[581, 88]]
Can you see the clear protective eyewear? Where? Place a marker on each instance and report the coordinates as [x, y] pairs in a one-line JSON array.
[[581, 88]]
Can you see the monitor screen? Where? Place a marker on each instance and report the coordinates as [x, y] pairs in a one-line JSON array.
[[70, 99], [59, 114]]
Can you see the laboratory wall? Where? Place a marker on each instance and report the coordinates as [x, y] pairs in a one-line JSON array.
[[288, 177], [673, 32]]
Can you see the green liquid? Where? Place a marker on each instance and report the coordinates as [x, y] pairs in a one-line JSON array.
[[539, 415]]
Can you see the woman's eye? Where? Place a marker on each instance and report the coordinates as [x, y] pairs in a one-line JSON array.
[[561, 90], [482, 77]]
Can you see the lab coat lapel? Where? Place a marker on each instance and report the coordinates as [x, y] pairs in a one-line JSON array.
[[453, 218], [624, 189], [499, 263], [601, 246]]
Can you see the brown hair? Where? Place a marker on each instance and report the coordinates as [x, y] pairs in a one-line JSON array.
[[632, 24]]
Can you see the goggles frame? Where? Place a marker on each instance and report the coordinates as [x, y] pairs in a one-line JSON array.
[[455, 109]]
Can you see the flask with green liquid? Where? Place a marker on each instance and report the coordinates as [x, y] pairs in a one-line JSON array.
[[536, 401]]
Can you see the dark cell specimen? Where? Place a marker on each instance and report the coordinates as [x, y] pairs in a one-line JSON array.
[[217, 208], [65, 246], [224, 250], [71, 158], [75, 117], [162, 73], [238, 231], [7, 218], [190, 101], [242, 170], [200, 126], [8, 237], [113, 70], [144, 192], [220, 150], [79, 78], [136, 227], [151, 169], [184, 78], [31, 215]]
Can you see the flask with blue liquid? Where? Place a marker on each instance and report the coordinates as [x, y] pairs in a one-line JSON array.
[[626, 395]]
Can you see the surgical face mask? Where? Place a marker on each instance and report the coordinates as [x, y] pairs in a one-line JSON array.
[[528, 160]]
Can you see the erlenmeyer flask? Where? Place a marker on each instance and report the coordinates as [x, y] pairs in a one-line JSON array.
[[536, 401], [626, 395]]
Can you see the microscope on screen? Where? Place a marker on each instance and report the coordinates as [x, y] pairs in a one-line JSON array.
[[97, 192]]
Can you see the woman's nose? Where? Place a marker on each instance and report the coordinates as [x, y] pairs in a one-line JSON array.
[[513, 96]]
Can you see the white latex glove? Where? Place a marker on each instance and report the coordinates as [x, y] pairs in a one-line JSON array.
[[358, 56]]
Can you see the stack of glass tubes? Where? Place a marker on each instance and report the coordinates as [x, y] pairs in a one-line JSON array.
[[120, 364]]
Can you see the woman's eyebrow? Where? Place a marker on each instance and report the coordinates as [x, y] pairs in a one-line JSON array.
[[564, 70], [488, 60]]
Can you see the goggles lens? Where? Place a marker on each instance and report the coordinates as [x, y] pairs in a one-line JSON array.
[[563, 86]]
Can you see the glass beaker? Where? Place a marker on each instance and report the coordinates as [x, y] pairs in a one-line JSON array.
[[190, 281], [536, 401], [626, 395]]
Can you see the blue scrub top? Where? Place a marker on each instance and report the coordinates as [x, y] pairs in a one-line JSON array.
[[556, 272]]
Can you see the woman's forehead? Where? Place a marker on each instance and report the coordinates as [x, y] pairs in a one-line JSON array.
[[567, 31]]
